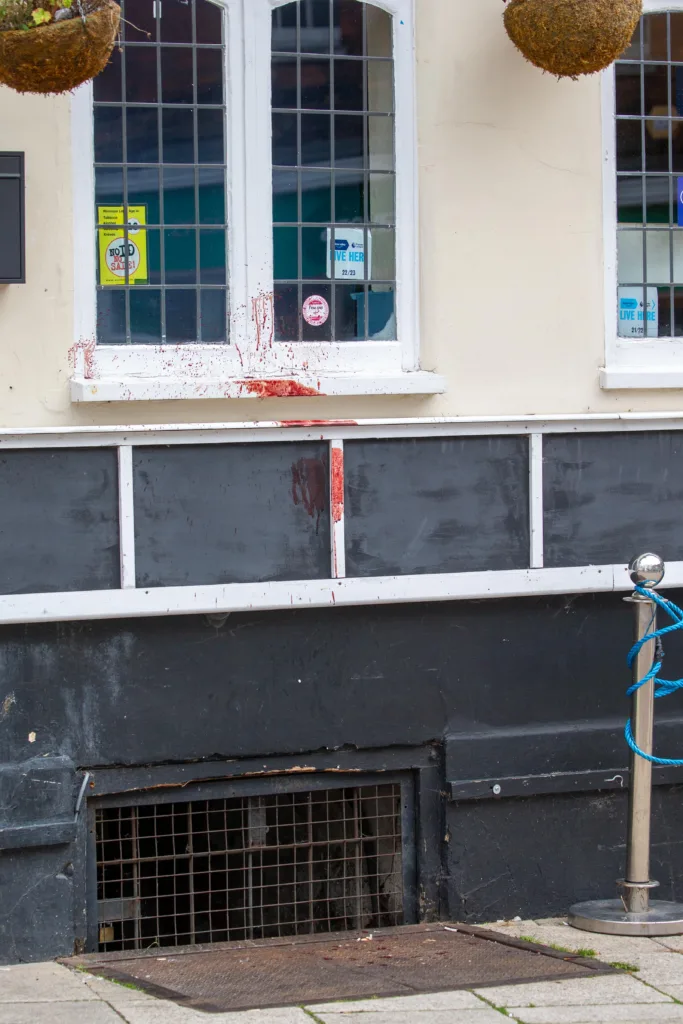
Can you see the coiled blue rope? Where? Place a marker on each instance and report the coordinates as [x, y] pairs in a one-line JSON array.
[[663, 687]]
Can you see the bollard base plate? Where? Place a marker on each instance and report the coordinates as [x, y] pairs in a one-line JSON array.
[[609, 918]]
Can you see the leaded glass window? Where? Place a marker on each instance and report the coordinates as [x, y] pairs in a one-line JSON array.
[[333, 172], [649, 148], [160, 176]]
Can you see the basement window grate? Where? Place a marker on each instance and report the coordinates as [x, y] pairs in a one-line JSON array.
[[230, 869]]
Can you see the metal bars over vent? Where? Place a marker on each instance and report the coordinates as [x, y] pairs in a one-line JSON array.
[[250, 867]]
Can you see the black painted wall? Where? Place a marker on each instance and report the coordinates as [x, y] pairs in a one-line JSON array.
[[504, 687], [501, 688]]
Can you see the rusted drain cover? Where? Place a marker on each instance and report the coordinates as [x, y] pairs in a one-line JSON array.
[[318, 969]]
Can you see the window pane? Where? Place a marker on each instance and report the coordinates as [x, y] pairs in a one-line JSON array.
[[141, 74], [210, 76], [286, 312], [179, 195], [316, 197], [181, 314], [210, 146], [285, 197], [211, 184], [213, 322], [212, 257], [142, 135], [111, 317], [314, 26], [109, 186], [339, 115], [315, 85], [143, 190], [348, 27], [174, 176], [145, 315], [108, 135], [175, 25], [180, 256], [177, 74], [178, 129], [138, 23], [285, 254], [107, 85], [209, 23]]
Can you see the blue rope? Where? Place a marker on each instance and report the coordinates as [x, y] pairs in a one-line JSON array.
[[663, 687]]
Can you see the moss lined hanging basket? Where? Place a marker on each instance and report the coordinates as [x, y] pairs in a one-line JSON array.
[[572, 37], [57, 57]]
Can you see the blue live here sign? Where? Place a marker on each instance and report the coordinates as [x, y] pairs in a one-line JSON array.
[[679, 187]]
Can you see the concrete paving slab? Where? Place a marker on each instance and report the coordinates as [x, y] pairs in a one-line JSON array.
[[401, 1004], [116, 995], [87, 1012], [170, 1013], [661, 970], [574, 992], [658, 1013], [483, 1016], [37, 983], [607, 947], [674, 942]]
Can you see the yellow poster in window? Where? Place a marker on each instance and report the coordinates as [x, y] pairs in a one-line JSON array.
[[119, 250]]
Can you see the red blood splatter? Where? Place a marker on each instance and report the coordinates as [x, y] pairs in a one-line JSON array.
[[262, 315], [278, 388], [318, 423], [309, 486], [337, 484], [86, 347]]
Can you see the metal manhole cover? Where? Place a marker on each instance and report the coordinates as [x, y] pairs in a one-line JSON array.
[[317, 969]]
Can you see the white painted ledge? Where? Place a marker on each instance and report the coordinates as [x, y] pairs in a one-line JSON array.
[[146, 389], [641, 379], [270, 596]]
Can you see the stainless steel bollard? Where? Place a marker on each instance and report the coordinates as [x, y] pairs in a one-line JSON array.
[[637, 883], [634, 913]]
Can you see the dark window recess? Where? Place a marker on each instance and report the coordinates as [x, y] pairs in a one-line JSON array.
[[12, 235], [256, 867]]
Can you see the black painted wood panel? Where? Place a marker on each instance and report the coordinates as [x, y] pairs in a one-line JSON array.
[[58, 520], [207, 514], [609, 497], [432, 505]]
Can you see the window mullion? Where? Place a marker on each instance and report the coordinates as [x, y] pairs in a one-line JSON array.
[[257, 184]]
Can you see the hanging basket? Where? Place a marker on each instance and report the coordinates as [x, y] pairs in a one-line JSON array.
[[58, 57], [572, 37]]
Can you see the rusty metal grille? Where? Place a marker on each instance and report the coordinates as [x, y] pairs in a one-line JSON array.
[[216, 870]]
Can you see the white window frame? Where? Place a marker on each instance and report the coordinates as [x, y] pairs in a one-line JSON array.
[[252, 364], [629, 363]]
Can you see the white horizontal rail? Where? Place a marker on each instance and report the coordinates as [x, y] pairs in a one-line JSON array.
[[330, 429], [241, 597]]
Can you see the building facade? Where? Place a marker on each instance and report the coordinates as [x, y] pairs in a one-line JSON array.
[[341, 376]]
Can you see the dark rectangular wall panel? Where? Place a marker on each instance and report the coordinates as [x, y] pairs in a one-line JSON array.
[[433, 505], [207, 514], [609, 497], [58, 520]]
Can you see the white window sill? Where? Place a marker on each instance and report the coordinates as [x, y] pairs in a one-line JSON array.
[[146, 389], [640, 378]]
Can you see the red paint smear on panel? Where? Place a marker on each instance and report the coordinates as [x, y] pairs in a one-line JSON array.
[[278, 388], [318, 423], [309, 486], [337, 484]]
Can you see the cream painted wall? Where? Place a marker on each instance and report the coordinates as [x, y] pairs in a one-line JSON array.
[[511, 247]]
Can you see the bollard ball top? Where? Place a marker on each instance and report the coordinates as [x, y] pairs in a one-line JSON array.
[[647, 570]]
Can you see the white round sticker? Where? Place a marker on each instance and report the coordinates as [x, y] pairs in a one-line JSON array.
[[119, 252], [315, 310]]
